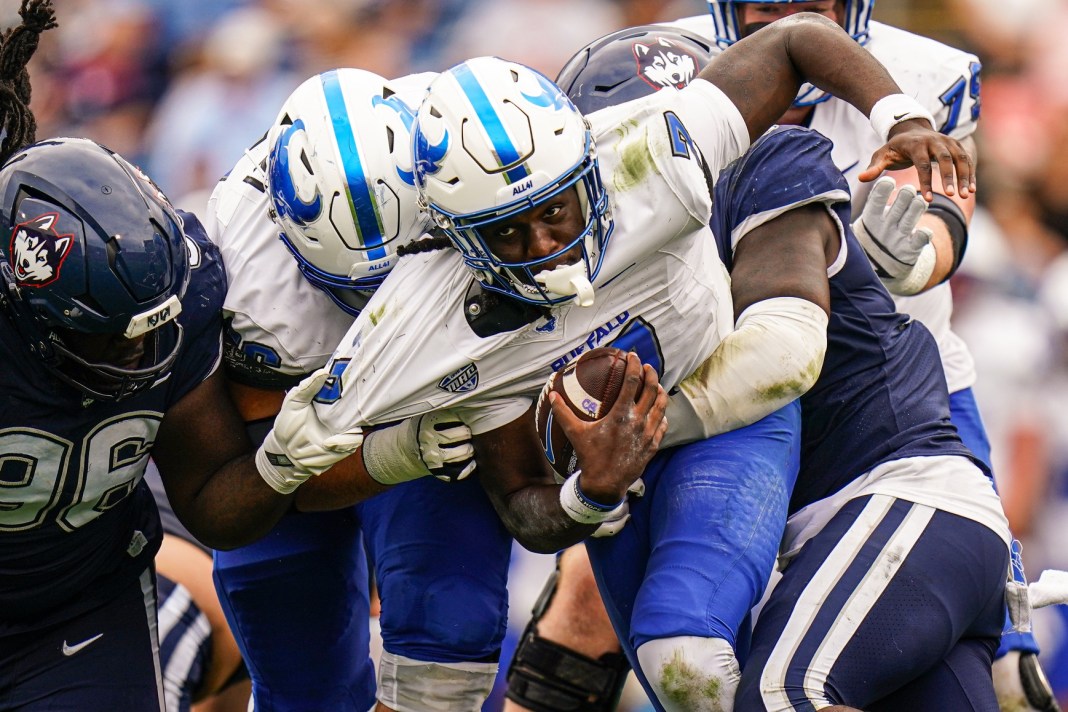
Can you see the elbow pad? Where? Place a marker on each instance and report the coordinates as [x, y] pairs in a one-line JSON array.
[[773, 356]]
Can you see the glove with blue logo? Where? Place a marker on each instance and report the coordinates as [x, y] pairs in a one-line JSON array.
[[299, 445]]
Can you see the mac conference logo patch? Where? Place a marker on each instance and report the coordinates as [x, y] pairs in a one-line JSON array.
[[462, 380]]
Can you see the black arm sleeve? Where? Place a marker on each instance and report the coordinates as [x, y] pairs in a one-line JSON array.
[[951, 214]]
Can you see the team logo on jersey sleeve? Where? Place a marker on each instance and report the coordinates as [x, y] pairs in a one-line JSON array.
[[462, 380], [664, 64], [547, 327], [38, 251]]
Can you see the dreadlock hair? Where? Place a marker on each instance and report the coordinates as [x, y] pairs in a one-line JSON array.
[[435, 241], [17, 45]]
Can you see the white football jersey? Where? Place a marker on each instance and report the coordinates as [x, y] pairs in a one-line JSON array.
[[662, 289], [946, 81], [291, 325]]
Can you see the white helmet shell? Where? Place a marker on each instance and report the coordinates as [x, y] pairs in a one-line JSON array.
[[339, 178], [495, 138]]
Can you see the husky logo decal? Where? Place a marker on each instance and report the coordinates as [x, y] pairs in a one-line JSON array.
[[664, 64], [38, 251]]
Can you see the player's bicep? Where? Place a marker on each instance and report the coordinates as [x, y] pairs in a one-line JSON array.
[[786, 257], [198, 435], [756, 74]]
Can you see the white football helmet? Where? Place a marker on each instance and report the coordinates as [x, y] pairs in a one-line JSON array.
[[494, 138], [340, 180], [728, 31]]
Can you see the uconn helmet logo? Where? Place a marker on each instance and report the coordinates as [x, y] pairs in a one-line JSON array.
[[38, 251], [664, 64]]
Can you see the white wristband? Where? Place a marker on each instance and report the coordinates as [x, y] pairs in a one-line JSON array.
[[891, 110], [391, 454], [580, 507]]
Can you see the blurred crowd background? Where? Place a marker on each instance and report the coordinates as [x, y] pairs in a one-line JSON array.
[[183, 86]]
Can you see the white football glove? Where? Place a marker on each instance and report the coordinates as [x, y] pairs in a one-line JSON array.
[[436, 443], [1050, 589], [299, 445], [901, 253], [619, 516]]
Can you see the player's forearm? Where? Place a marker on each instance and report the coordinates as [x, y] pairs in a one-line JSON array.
[[945, 254], [235, 507], [533, 516], [345, 484], [948, 218]]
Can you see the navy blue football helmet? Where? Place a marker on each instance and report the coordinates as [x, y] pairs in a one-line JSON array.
[[856, 21], [93, 249], [632, 63]]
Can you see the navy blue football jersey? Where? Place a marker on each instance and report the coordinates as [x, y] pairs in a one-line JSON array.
[[77, 520], [881, 394]]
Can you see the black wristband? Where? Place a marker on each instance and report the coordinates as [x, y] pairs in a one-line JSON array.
[[951, 214]]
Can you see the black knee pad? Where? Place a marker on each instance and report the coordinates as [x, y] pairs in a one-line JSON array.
[[547, 677]]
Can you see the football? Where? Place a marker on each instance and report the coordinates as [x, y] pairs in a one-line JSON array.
[[589, 386]]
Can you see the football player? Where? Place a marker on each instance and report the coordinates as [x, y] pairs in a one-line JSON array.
[[551, 226], [321, 204], [915, 253], [915, 263], [110, 334]]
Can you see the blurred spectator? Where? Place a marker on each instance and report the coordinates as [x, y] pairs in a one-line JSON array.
[[542, 34], [184, 22], [368, 34], [219, 107], [107, 72]]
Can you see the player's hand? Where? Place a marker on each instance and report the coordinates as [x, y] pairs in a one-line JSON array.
[[901, 253], [915, 143], [613, 451], [445, 446], [299, 445], [436, 443]]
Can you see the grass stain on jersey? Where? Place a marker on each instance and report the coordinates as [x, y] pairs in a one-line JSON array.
[[375, 315], [794, 387], [688, 688], [635, 160]]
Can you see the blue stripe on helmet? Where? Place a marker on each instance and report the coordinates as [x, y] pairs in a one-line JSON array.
[[502, 144], [358, 187]]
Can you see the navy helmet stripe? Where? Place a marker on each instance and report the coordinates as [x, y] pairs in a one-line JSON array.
[[498, 136], [361, 198]]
